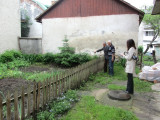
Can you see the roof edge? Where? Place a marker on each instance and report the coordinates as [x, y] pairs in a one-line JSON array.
[[39, 18]]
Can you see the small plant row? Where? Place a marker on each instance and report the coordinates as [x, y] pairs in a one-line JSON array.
[[65, 59], [58, 107]]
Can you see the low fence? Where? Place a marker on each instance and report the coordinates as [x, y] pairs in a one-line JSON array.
[[30, 45], [27, 104]]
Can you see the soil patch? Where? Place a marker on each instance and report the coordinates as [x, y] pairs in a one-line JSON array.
[[12, 84], [34, 69]]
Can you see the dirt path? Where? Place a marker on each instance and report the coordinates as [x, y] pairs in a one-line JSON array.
[[146, 106]]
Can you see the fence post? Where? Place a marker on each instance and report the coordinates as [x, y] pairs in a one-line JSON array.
[[53, 87], [8, 107], [28, 105], [43, 103], [15, 106], [38, 96], [1, 108], [34, 102], [22, 103]]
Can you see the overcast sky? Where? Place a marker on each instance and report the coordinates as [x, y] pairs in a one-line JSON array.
[[136, 3]]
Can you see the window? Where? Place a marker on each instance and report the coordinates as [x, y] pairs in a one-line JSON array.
[[149, 33]]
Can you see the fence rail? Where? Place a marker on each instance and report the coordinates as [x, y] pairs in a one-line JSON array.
[[29, 103]]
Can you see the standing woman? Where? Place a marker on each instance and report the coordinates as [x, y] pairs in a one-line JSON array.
[[130, 65]]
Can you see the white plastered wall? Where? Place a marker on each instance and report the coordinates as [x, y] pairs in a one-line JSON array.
[[9, 25], [87, 34]]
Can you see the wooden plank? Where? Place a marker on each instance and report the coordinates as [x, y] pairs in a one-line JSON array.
[[34, 101], [1, 108], [43, 103], [56, 86], [22, 105], [46, 90], [59, 83], [16, 106], [63, 83], [49, 88], [38, 96], [28, 102], [8, 107], [53, 87]]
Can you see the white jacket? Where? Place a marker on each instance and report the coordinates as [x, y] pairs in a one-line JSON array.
[[130, 64]]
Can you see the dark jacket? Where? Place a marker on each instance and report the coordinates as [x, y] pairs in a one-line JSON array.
[[105, 50], [111, 50]]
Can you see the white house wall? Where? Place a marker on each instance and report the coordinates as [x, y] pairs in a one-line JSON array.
[[9, 25], [87, 34]]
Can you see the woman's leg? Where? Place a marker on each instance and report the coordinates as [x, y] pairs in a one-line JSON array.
[[130, 84]]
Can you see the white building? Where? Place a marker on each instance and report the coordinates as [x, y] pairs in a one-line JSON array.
[[9, 25], [33, 9], [87, 24]]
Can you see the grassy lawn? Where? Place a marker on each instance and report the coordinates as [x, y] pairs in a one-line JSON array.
[[89, 109], [119, 76]]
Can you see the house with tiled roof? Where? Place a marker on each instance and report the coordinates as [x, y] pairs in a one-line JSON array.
[[32, 8], [88, 23]]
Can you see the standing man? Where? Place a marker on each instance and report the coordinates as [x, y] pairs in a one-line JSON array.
[[105, 49], [111, 57]]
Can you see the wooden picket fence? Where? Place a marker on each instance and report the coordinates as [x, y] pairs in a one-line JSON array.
[[31, 101]]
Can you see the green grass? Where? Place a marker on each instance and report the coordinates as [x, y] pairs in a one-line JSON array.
[[89, 109], [142, 86], [115, 87]]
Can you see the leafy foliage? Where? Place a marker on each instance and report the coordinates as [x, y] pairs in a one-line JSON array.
[[9, 56], [60, 106], [140, 49]]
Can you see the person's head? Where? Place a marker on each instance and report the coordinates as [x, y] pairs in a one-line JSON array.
[[109, 42], [104, 44], [130, 43]]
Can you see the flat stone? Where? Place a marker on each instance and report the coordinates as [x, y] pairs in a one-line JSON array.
[[119, 95]]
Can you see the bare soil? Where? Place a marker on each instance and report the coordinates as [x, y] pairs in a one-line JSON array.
[[15, 84], [12, 84]]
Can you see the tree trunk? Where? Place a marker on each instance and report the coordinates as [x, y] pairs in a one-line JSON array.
[[154, 56], [151, 42], [141, 60]]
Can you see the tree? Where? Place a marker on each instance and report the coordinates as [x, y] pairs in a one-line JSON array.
[[154, 22]]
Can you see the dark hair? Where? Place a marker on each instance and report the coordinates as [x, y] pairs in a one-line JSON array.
[[130, 43]]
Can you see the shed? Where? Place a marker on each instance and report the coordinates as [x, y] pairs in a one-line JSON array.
[[88, 23]]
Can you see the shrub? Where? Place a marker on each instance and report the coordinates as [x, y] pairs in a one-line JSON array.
[[48, 58], [66, 48], [140, 49], [33, 57], [9, 56]]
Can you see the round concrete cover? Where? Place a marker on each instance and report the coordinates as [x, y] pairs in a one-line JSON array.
[[118, 95]]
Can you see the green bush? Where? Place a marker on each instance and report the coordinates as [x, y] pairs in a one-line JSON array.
[[140, 49], [33, 57], [48, 58], [10, 55], [66, 48]]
